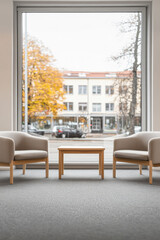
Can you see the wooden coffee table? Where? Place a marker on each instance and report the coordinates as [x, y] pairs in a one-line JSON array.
[[81, 150]]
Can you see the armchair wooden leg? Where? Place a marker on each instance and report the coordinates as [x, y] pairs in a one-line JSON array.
[[24, 169], [150, 172], [47, 168], [62, 164], [100, 165], [140, 169], [114, 167], [11, 173]]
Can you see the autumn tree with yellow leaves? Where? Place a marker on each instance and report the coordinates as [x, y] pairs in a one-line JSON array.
[[45, 82]]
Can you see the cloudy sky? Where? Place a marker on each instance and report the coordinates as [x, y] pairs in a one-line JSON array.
[[81, 41]]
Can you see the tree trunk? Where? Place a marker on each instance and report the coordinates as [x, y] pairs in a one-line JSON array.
[[133, 104]]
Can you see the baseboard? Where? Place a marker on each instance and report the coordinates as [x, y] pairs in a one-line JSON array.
[[6, 168], [81, 166]]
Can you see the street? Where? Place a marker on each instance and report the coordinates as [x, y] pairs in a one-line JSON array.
[[105, 142]]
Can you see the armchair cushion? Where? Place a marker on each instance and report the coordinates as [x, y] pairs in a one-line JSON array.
[[29, 154], [132, 154]]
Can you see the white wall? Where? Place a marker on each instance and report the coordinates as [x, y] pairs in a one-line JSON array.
[[6, 62], [6, 71]]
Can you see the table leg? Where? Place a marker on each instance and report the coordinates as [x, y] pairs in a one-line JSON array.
[[102, 164], [60, 164], [62, 158], [100, 170]]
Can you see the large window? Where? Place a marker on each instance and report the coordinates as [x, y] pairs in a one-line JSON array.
[[82, 89], [68, 106], [70, 76], [96, 89], [82, 107], [68, 89], [109, 106], [109, 90], [110, 124], [96, 107]]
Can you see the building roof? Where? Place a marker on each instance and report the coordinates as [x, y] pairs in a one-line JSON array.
[[83, 74]]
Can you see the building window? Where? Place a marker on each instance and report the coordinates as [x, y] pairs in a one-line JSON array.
[[96, 89], [96, 107], [109, 106], [68, 89], [82, 89], [109, 90], [69, 106], [122, 89], [123, 106], [82, 107], [110, 123]]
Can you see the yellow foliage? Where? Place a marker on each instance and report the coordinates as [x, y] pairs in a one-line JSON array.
[[45, 83]]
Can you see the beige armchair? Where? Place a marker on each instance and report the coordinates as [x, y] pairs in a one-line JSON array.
[[141, 148], [18, 148]]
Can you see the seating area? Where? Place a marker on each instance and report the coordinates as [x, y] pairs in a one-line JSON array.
[[18, 148], [79, 120]]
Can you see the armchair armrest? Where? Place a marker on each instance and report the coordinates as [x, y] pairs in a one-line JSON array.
[[126, 143], [7, 148], [154, 150], [34, 143]]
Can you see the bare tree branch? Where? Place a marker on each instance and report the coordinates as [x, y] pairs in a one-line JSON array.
[[128, 100]]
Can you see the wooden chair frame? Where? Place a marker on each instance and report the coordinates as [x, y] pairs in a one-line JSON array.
[[24, 162], [135, 161]]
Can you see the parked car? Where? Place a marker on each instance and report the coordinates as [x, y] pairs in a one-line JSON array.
[[69, 133], [33, 130], [56, 128]]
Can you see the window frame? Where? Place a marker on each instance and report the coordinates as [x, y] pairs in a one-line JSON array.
[[68, 89], [82, 87], [83, 104], [97, 88], [110, 89], [96, 105], [68, 106], [109, 109], [64, 7]]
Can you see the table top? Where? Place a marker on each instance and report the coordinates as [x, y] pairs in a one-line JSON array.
[[81, 148]]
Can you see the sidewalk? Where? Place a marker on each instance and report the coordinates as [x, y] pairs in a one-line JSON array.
[[90, 137], [99, 135]]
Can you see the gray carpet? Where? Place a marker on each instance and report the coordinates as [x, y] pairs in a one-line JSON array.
[[80, 206]]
